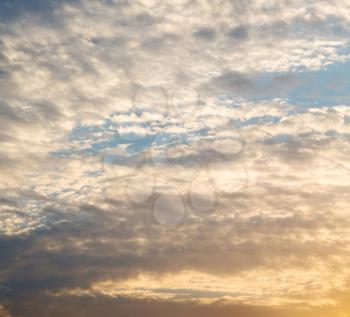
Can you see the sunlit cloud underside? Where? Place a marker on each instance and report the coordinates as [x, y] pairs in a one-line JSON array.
[[174, 158]]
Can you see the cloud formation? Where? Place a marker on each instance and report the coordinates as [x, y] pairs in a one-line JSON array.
[[174, 158]]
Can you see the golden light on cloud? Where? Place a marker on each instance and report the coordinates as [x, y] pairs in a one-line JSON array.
[[189, 157], [284, 287]]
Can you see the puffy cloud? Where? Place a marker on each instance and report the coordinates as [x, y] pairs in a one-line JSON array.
[[154, 156]]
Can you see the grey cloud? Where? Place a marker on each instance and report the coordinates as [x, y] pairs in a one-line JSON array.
[[109, 42], [157, 44], [205, 33], [276, 30], [92, 306], [50, 259], [239, 33], [335, 27], [145, 20], [38, 112], [239, 8], [9, 113], [253, 85], [234, 82], [4, 74], [7, 201]]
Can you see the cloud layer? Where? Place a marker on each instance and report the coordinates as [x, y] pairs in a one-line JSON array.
[[174, 158]]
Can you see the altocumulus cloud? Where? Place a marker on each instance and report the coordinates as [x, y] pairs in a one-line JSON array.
[[174, 158]]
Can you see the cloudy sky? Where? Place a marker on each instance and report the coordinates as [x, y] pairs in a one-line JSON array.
[[178, 158]]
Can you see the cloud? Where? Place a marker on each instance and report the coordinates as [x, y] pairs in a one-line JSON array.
[[90, 306], [205, 33], [112, 110]]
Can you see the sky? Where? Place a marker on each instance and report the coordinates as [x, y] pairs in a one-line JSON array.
[[174, 158]]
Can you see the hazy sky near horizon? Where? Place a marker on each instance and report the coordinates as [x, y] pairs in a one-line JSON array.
[[175, 158]]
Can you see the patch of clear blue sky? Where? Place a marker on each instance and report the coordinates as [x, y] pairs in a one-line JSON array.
[[329, 87], [306, 89], [322, 88], [134, 143]]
